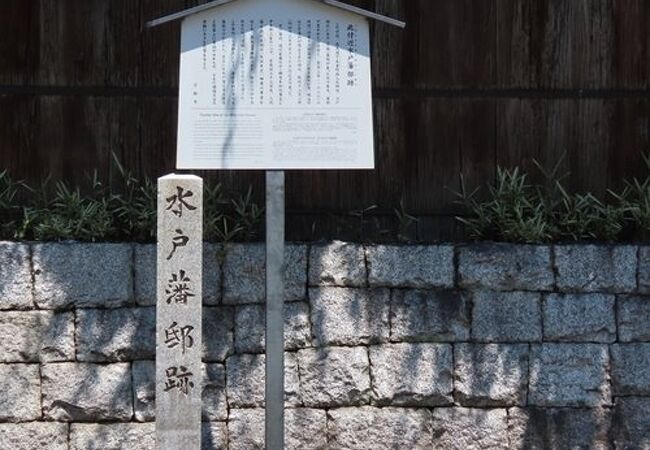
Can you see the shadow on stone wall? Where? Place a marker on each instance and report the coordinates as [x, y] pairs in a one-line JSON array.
[[388, 347]]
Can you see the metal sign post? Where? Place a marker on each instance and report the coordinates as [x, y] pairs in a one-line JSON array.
[[274, 393]]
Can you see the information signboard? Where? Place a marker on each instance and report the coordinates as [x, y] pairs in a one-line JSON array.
[[275, 84]]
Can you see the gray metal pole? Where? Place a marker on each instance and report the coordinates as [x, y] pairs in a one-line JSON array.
[[274, 395]]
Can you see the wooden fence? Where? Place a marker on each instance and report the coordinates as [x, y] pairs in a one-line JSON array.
[[468, 86]]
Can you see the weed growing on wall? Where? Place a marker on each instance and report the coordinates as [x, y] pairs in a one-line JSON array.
[[518, 211], [10, 213], [123, 210]]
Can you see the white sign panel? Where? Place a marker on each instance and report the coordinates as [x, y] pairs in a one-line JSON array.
[[275, 84]]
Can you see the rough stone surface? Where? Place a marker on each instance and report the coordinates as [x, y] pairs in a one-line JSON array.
[[507, 317], [411, 266], [250, 321], [558, 428], [110, 335], [115, 436], [245, 380], [87, 392], [33, 336], [144, 390], [218, 333], [20, 392], [343, 316], [83, 275], [644, 269], [429, 316], [579, 318], [491, 374], [334, 376], [369, 428], [244, 272], [630, 424], [214, 436], [389, 367], [590, 268], [633, 322], [215, 406], [305, 429], [569, 375], [145, 274], [337, 264], [412, 374], [505, 267], [631, 369], [15, 277], [470, 429], [34, 436]]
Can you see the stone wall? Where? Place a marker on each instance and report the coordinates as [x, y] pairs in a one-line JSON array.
[[482, 346]]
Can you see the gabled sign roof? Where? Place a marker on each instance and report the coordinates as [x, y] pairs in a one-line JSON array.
[[333, 3]]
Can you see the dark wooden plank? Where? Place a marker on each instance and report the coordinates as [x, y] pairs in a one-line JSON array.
[[452, 134], [73, 43], [554, 43], [446, 44], [19, 49], [629, 140], [388, 45], [18, 143], [160, 46], [631, 43], [602, 140]]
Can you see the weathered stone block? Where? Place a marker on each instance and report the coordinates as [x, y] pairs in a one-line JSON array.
[[429, 316], [20, 392], [411, 266], [558, 428], [244, 273], [412, 374], [337, 264], [144, 390], [350, 316], [491, 375], [33, 336], [630, 424], [305, 429], [109, 335], [83, 275], [114, 436], [214, 436], [633, 323], [144, 261], [644, 269], [507, 316], [590, 268], [369, 428], [145, 274], [506, 267], [579, 318], [334, 376], [250, 322], [569, 375], [469, 429], [15, 277], [87, 392], [215, 407], [631, 368], [218, 333], [34, 436], [245, 380]]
